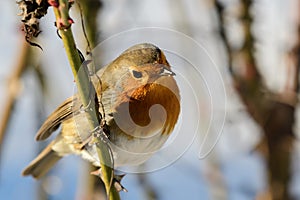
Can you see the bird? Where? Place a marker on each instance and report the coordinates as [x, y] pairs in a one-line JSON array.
[[140, 101]]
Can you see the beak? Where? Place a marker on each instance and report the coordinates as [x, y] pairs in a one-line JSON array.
[[166, 72]]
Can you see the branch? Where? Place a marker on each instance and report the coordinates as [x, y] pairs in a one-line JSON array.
[[247, 80], [13, 89], [85, 88], [222, 32], [89, 10], [273, 113]]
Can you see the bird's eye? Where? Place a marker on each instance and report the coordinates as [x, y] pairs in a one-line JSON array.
[[137, 74], [161, 71]]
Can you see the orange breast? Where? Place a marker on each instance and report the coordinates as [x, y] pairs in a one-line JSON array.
[[155, 106]]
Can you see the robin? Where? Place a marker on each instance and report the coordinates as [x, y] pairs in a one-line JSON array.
[[141, 103]]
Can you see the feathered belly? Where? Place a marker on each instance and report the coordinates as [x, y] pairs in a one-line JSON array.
[[128, 149]]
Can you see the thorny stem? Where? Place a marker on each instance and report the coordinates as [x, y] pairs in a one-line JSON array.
[[89, 10], [85, 88]]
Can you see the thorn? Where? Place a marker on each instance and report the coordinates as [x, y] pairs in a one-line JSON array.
[[119, 187], [71, 21], [61, 26], [96, 172], [119, 177], [117, 183], [53, 3], [116, 180]]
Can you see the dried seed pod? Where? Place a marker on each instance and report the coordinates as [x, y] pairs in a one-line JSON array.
[[32, 11]]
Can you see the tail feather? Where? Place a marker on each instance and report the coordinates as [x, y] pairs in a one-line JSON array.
[[42, 163]]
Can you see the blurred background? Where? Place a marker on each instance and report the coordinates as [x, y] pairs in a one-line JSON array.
[[254, 45]]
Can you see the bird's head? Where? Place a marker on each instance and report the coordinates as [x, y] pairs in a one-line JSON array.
[[138, 66]]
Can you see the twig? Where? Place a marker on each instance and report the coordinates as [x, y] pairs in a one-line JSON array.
[[13, 89], [89, 10], [85, 88], [247, 79], [275, 117]]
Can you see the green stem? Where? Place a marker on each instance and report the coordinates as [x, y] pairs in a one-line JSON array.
[[85, 88]]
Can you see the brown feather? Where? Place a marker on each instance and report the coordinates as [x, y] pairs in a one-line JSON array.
[[42, 163], [63, 112], [163, 92]]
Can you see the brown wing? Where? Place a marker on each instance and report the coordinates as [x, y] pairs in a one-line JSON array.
[[63, 112], [66, 110]]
